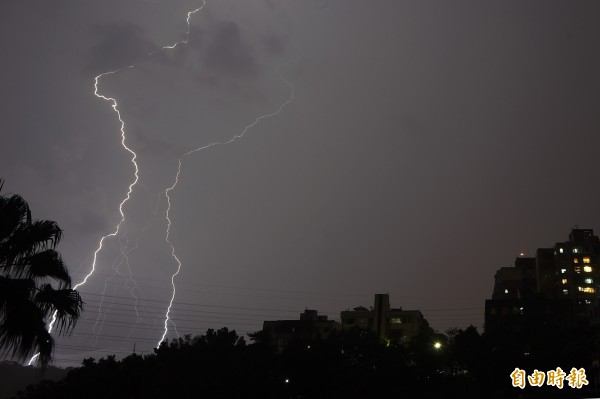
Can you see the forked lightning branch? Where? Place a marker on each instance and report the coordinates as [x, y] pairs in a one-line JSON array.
[[117, 229]]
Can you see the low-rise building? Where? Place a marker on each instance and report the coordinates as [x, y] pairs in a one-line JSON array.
[[394, 324], [309, 327]]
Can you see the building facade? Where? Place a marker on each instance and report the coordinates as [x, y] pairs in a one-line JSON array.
[[387, 323], [310, 326], [576, 273], [558, 286]]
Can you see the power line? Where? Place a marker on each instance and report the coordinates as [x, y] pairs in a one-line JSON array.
[[199, 304]]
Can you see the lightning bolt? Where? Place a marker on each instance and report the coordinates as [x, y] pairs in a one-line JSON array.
[[125, 251], [171, 188], [115, 108], [187, 32]]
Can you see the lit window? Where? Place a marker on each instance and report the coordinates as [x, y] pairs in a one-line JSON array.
[[565, 291], [563, 271], [396, 320], [587, 269], [587, 290], [577, 269], [575, 260], [564, 281], [506, 291], [587, 301], [588, 281], [586, 259], [575, 250], [560, 250]]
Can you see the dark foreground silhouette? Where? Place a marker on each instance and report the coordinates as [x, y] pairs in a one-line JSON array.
[[220, 364], [14, 377], [34, 283]]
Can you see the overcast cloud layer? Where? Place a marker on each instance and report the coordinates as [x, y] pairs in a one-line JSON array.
[[427, 144]]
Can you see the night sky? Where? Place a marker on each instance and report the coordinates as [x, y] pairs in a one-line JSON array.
[[426, 145]]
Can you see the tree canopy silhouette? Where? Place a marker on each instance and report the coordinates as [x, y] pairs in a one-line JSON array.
[[29, 266]]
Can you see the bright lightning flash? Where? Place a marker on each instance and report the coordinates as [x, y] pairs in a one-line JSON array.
[[115, 108], [169, 189]]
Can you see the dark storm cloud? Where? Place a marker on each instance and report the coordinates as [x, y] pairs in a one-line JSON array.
[[196, 39], [274, 44], [221, 50], [227, 54], [321, 4], [426, 142], [88, 220], [152, 145], [117, 45]]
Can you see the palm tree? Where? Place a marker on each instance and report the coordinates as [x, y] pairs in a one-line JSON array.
[[29, 266]]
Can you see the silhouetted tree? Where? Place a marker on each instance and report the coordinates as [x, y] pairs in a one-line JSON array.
[[350, 364], [29, 264]]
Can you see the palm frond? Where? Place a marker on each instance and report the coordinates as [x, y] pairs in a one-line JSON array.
[[28, 239], [16, 289], [45, 345], [23, 332], [39, 234], [27, 259], [47, 264], [65, 302], [14, 212]]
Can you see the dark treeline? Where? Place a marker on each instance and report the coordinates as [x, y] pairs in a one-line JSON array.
[[221, 364]]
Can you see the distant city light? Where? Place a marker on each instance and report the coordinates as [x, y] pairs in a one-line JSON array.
[[437, 345]]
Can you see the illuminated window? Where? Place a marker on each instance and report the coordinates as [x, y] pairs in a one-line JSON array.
[[575, 260], [565, 291], [506, 291], [586, 259], [396, 320], [587, 290], [564, 281], [560, 250], [587, 269], [575, 250], [588, 281], [577, 269], [563, 271]]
